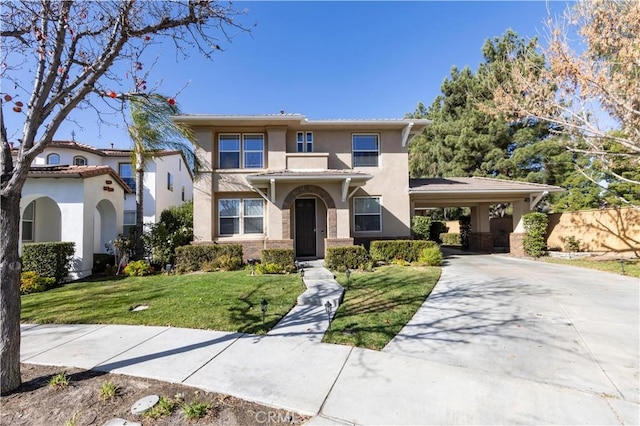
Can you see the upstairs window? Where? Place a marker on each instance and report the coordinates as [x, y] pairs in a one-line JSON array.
[[236, 155], [79, 161], [305, 141], [53, 159], [125, 170], [169, 181], [366, 150], [367, 213]]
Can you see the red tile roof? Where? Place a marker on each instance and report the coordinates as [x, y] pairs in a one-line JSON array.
[[82, 172]]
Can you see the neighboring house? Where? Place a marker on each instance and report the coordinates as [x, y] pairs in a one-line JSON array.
[[283, 181], [75, 192]]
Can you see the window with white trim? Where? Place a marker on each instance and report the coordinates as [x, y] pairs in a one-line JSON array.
[[241, 216], [305, 141], [235, 155], [78, 160], [367, 214], [365, 150], [28, 222], [53, 159], [129, 222]]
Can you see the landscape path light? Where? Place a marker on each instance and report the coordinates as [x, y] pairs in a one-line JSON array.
[[263, 308], [328, 307]]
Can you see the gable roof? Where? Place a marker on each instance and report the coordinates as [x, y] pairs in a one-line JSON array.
[[81, 172]]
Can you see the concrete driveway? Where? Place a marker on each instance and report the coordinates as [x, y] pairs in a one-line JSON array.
[[559, 325]]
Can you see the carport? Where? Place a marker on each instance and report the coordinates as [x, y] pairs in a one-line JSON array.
[[479, 194]]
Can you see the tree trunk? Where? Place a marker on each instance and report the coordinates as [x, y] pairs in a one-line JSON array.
[[139, 246], [9, 292]]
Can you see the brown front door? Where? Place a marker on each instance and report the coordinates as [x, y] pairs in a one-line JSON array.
[[306, 227]]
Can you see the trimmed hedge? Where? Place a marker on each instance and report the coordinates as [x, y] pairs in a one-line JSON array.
[[408, 250], [193, 257], [437, 227], [52, 259], [421, 227], [450, 239], [284, 258], [431, 256], [465, 231], [534, 241], [347, 257]]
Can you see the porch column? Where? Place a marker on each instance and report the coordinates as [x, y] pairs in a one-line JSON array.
[[520, 208], [480, 238]]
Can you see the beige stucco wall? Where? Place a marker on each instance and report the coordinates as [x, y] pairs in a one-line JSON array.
[[389, 181], [610, 230]]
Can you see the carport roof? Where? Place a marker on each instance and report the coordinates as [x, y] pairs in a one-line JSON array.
[[472, 191], [455, 185]]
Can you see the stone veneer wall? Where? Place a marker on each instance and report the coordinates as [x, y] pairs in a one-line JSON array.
[[516, 248]]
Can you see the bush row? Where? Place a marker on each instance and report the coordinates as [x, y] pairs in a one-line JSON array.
[[32, 282], [279, 260], [348, 257], [450, 239], [407, 250], [210, 257]]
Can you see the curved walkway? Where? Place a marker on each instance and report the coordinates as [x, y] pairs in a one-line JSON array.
[[499, 341]]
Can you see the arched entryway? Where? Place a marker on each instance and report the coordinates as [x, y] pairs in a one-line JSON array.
[[105, 226], [310, 214], [41, 220]]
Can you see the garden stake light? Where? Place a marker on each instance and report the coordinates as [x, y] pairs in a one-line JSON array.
[[263, 308], [622, 266], [327, 307], [348, 274], [302, 277]]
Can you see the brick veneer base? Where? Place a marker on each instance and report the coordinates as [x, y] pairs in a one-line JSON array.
[[516, 247]]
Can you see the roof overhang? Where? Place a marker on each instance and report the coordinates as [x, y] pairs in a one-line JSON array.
[[76, 172], [350, 181]]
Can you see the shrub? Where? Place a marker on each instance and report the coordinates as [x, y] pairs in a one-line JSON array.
[[31, 282], [284, 258], [450, 239], [137, 268], [193, 257], [431, 256], [420, 226], [227, 262], [269, 268], [347, 257], [51, 259], [408, 250], [572, 243], [174, 229], [534, 241], [437, 227], [465, 230], [101, 261]]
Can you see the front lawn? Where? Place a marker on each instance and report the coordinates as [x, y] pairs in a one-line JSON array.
[[631, 266], [378, 304], [225, 301]]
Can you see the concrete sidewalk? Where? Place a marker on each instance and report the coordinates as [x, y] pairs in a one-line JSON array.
[[425, 376]]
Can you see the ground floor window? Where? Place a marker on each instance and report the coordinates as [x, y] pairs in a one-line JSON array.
[[367, 213], [129, 222], [241, 216], [28, 220]]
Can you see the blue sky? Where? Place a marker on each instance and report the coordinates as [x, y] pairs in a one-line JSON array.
[[329, 60]]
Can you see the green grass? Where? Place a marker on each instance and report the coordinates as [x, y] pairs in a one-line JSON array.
[[631, 266], [225, 301], [378, 304]]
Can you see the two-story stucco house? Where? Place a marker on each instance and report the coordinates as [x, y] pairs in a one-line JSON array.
[[283, 181], [75, 192]]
